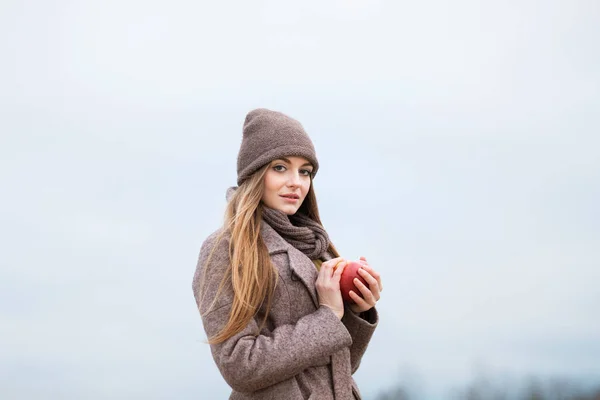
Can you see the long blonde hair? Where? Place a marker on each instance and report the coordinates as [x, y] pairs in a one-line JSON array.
[[255, 277]]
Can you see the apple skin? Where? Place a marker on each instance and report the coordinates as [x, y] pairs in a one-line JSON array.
[[347, 281]]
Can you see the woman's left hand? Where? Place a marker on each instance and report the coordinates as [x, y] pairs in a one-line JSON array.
[[371, 294]]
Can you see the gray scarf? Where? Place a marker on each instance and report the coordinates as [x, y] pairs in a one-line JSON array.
[[299, 230]]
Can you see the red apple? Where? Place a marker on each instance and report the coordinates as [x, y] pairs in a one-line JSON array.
[[347, 281]]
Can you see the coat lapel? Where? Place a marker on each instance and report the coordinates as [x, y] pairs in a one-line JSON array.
[[300, 264]]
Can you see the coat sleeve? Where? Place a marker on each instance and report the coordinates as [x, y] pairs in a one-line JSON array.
[[361, 328], [249, 361]]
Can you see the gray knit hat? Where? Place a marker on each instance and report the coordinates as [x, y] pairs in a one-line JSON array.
[[269, 135]]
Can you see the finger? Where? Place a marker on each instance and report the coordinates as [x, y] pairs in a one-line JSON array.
[[330, 264], [359, 302], [367, 294], [327, 269], [324, 271], [373, 283], [372, 271], [333, 262], [339, 270], [338, 264], [375, 275]]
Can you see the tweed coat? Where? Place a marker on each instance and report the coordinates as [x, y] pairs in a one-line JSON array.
[[304, 351]]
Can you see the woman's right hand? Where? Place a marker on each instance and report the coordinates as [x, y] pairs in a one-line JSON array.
[[328, 285]]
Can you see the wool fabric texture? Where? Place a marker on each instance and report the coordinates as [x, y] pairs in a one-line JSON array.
[[269, 135], [304, 351], [299, 230]]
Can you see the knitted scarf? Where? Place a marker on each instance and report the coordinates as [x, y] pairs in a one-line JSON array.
[[299, 230]]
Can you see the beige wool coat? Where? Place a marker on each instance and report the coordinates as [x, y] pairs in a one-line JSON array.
[[304, 351]]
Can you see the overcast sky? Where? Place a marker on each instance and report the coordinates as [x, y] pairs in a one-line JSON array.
[[459, 149]]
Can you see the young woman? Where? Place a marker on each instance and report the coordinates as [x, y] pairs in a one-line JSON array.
[[267, 283]]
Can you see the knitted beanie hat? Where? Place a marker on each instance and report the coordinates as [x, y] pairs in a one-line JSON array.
[[269, 135]]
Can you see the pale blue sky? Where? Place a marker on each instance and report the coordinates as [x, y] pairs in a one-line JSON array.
[[459, 153]]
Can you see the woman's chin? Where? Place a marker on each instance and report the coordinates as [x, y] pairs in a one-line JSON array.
[[288, 209]]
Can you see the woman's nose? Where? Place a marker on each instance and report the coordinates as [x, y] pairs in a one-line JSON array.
[[294, 179]]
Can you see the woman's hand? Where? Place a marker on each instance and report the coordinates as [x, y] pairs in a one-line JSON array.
[[371, 294], [328, 285]]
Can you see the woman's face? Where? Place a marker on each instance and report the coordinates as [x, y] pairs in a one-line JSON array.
[[287, 176]]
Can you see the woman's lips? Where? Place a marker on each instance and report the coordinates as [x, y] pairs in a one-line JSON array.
[[290, 199]]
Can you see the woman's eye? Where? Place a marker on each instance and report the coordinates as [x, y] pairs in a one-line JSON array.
[[281, 168]]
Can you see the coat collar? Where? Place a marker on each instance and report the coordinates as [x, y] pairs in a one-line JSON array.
[[274, 242], [300, 264]]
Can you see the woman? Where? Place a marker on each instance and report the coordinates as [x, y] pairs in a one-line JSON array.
[[267, 282]]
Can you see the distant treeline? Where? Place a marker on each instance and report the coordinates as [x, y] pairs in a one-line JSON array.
[[485, 389]]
